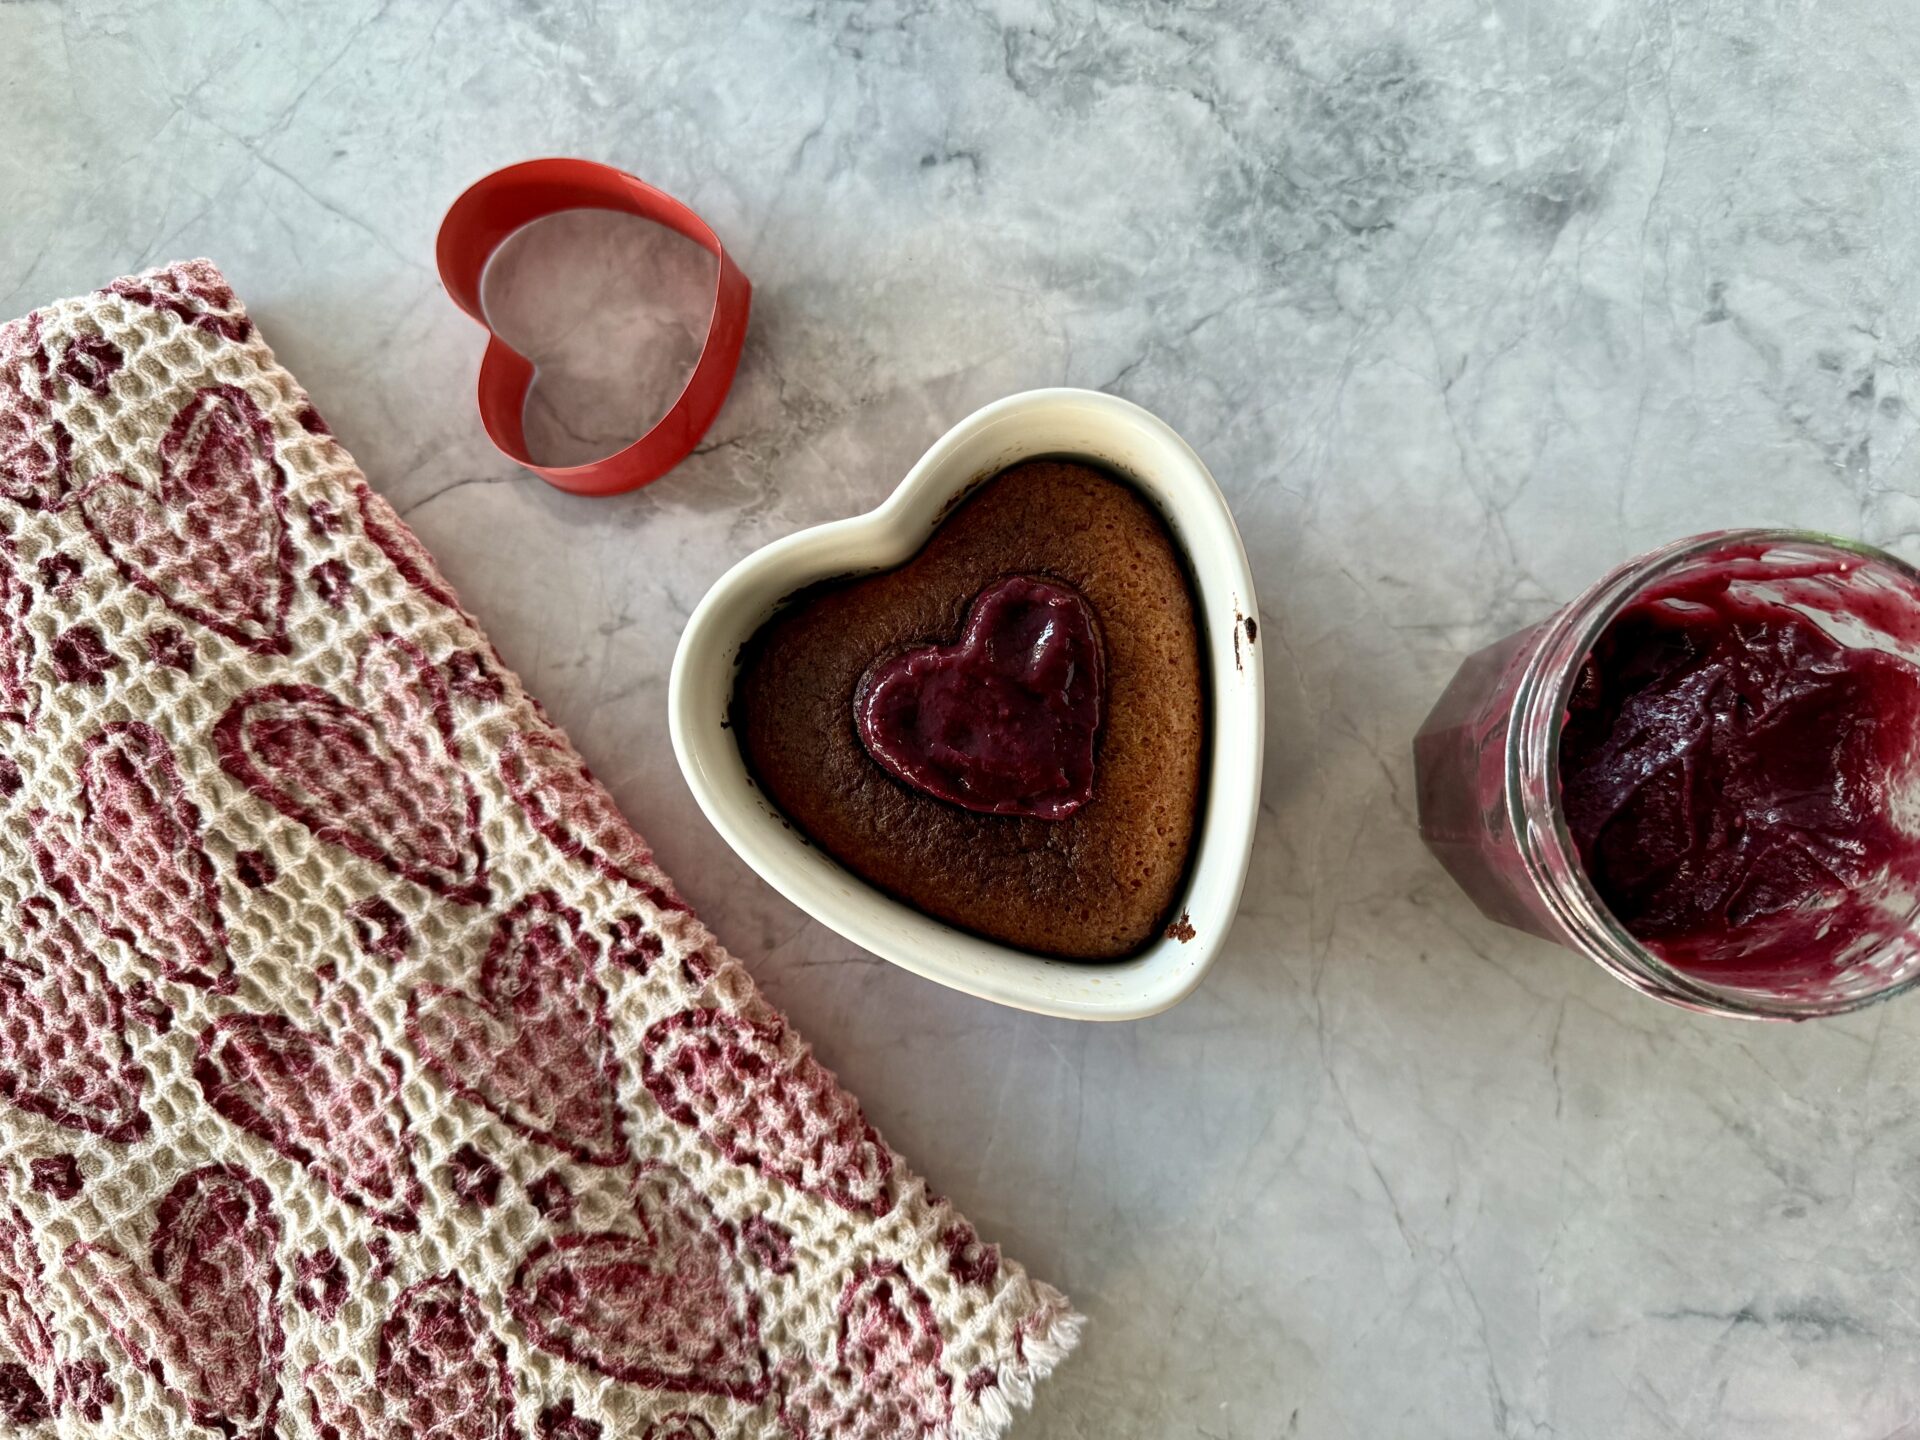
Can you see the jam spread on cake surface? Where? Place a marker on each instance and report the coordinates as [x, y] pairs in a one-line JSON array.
[[1005, 721], [1740, 784], [1039, 653]]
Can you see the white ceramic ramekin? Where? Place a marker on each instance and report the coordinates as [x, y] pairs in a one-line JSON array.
[[1076, 423]]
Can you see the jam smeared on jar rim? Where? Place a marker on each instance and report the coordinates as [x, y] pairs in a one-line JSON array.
[[1742, 786], [1005, 721]]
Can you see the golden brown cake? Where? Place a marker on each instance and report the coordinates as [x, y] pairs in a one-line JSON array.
[[1095, 885]]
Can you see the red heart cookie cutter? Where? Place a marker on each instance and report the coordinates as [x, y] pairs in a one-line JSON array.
[[494, 208]]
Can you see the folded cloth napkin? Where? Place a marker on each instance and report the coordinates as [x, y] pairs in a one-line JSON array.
[[361, 1075]]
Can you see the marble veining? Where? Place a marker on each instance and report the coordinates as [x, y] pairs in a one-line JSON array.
[[1462, 301]]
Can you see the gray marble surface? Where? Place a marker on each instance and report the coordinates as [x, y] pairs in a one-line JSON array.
[[1462, 300]]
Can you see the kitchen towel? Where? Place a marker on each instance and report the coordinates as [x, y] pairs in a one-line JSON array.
[[361, 1075]]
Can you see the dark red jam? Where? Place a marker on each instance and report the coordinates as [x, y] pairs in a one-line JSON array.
[[1005, 721], [1740, 784]]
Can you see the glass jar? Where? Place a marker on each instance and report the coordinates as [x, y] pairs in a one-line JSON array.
[[1487, 762]]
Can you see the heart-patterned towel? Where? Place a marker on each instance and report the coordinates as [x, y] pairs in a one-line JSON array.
[[361, 1076]]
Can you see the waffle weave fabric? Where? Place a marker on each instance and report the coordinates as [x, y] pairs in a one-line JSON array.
[[361, 1075]]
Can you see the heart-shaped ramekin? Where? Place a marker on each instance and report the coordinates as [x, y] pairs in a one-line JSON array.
[[1079, 424]]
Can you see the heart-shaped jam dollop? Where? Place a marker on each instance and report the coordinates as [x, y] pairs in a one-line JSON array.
[[1005, 721]]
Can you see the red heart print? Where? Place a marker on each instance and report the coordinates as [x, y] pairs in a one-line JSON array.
[[91, 362], [970, 1261], [333, 1105], [211, 539], [390, 534], [441, 1371], [205, 1312], [1005, 721], [31, 1377], [890, 1341], [533, 1046], [36, 450], [664, 1308], [139, 866], [193, 290], [753, 1088], [385, 782], [679, 1425], [887, 1378], [19, 700], [34, 1385], [63, 1038], [383, 933], [564, 803]]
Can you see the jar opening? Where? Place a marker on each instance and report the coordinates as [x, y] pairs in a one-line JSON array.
[[1847, 617]]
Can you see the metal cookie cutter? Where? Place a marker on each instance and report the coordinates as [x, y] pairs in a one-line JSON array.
[[501, 203]]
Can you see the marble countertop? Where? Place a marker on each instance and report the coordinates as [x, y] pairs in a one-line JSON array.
[[1462, 301]]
